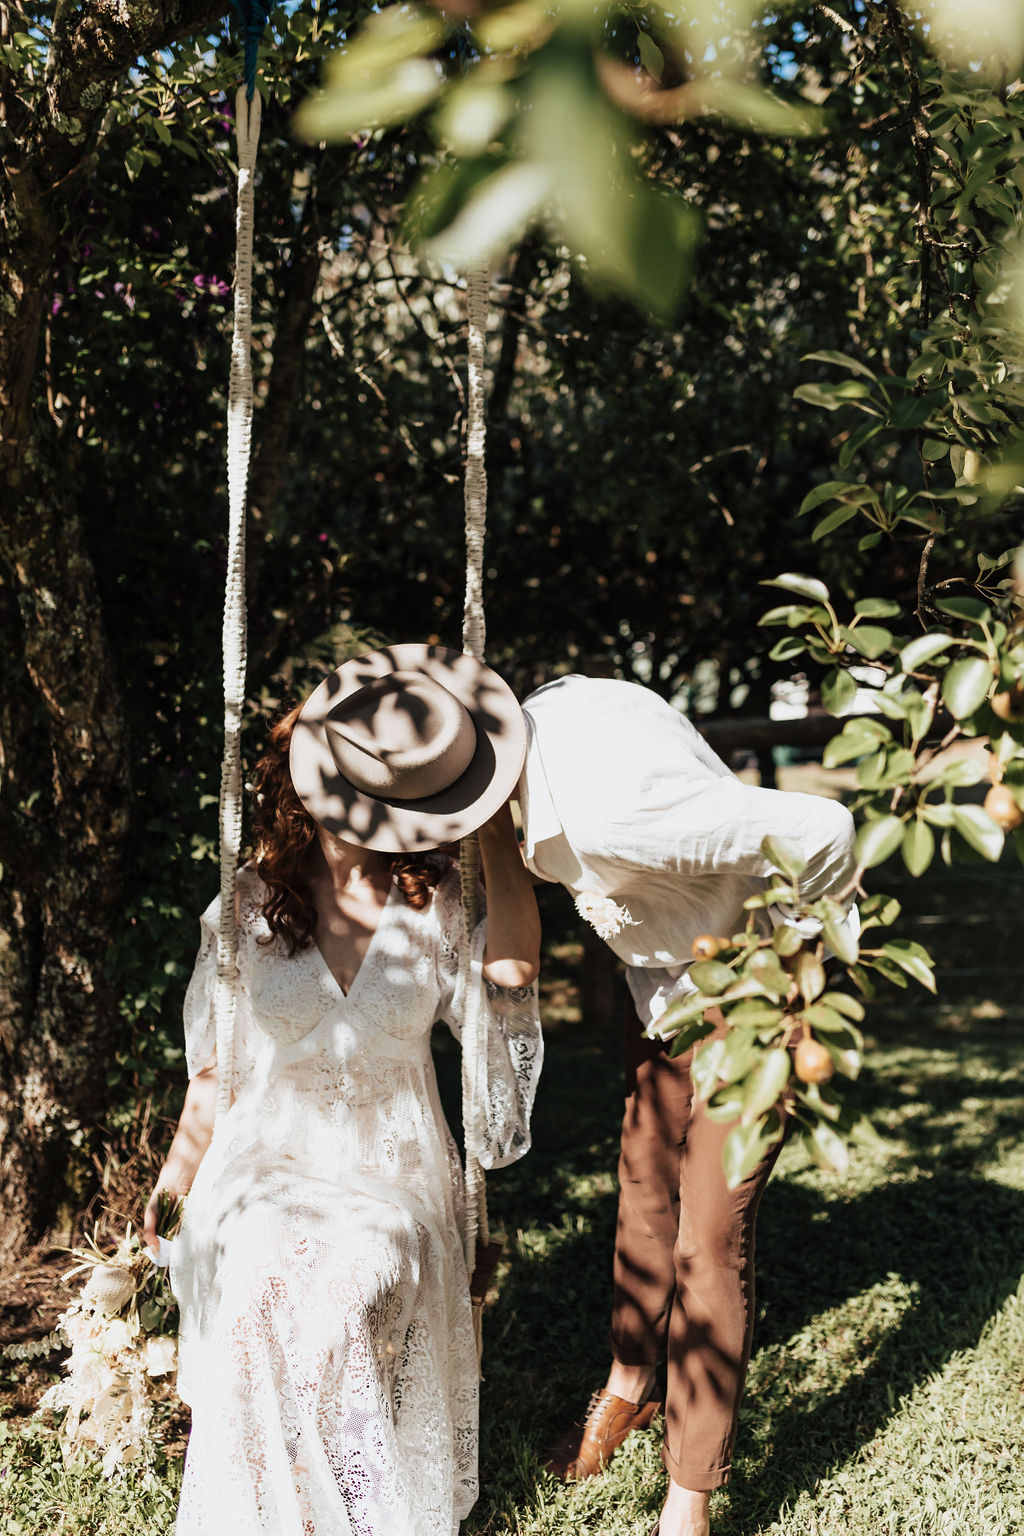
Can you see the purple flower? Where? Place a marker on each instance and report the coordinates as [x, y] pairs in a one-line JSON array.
[[57, 305]]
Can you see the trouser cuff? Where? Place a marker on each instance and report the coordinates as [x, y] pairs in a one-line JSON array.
[[699, 1479]]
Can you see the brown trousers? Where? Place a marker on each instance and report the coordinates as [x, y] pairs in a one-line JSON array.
[[684, 1259]]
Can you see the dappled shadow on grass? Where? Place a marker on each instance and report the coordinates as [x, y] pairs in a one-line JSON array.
[[956, 1244], [941, 1245]]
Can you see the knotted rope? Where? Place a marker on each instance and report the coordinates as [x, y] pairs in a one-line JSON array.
[[247, 133], [473, 641], [254, 15]]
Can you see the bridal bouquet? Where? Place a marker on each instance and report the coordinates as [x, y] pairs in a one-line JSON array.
[[122, 1332]]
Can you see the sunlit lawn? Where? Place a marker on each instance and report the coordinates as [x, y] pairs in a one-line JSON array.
[[886, 1392]]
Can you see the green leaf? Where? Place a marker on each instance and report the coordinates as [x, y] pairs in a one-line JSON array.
[[831, 521], [786, 940], [892, 705], [939, 814], [493, 217], [472, 115], [764, 967], [843, 1003], [869, 640], [965, 608], [747, 105], [847, 1056], [687, 1036], [837, 936], [918, 847], [725, 1104], [677, 1016], [744, 1148], [838, 691], [704, 1067], [876, 608], [765, 1084], [863, 1134], [977, 828], [890, 971], [831, 397], [913, 959], [856, 441], [858, 737], [966, 684], [784, 854], [840, 360], [829, 1148], [920, 712], [651, 56], [879, 911], [754, 1013], [961, 773], [789, 613], [828, 490], [804, 586], [810, 976], [383, 103], [787, 648], [878, 840], [712, 976]]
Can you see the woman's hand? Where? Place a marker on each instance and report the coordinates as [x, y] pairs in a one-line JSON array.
[[512, 952], [191, 1139], [166, 1184]]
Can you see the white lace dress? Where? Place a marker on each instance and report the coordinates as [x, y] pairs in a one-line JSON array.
[[327, 1348]]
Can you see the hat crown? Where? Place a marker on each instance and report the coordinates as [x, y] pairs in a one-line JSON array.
[[368, 775], [403, 736]]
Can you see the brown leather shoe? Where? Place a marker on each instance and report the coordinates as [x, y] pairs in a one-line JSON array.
[[586, 1449]]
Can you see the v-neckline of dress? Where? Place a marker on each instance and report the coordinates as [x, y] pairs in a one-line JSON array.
[[361, 967]]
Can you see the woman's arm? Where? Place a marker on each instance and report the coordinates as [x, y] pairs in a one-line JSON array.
[[191, 1139], [512, 951]]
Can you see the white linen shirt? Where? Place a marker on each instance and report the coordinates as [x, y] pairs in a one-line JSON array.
[[621, 797]]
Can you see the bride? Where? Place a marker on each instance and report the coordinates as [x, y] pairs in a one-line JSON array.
[[326, 1347]]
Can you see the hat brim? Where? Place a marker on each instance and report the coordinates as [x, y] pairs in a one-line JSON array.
[[410, 826]]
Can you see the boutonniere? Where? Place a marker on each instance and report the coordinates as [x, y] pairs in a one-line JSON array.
[[604, 916]]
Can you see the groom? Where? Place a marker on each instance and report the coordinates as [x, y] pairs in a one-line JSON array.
[[625, 805]]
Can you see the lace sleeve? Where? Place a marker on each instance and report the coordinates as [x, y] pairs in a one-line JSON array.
[[507, 1074], [200, 1029]]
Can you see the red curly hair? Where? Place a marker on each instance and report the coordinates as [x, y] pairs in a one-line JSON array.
[[285, 835]]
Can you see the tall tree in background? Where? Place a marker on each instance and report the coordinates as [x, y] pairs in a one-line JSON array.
[[65, 806]]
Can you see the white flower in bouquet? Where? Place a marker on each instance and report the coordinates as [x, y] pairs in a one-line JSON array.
[[161, 1355], [604, 915]]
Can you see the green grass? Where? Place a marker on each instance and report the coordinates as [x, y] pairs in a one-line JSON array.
[[886, 1392]]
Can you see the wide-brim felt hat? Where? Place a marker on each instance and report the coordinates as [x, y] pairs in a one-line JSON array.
[[407, 748]]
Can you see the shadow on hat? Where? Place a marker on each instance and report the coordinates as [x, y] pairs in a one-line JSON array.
[[407, 748]]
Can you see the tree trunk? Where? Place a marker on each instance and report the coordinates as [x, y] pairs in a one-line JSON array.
[[64, 781]]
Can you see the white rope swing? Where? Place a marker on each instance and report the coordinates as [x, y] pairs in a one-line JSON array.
[[239, 444], [474, 634], [247, 134]]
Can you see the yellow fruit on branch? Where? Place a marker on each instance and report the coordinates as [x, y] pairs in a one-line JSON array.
[[1001, 805], [812, 1062], [705, 946]]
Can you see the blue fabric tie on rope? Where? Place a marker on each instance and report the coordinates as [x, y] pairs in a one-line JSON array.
[[254, 15]]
